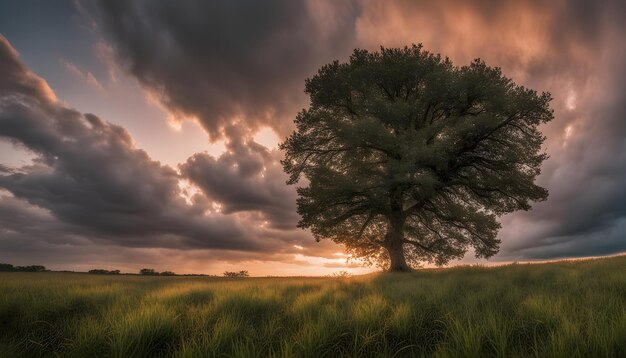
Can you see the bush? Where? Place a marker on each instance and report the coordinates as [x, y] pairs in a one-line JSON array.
[[167, 273], [31, 268], [104, 272], [6, 267], [147, 271], [236, 274], [342, 274]]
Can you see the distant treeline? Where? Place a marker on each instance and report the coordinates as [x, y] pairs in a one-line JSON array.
[[144, 271], [32, 268], [104, 272], [152, 272]]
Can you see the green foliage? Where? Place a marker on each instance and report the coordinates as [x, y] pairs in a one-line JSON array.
[[404, 151], [564, 309]]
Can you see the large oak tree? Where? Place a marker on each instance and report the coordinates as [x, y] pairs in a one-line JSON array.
[[408, 158]]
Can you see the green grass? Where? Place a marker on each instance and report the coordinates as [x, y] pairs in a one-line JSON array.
[[563, 309]]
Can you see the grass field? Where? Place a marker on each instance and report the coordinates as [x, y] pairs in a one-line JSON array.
[[563, 309]]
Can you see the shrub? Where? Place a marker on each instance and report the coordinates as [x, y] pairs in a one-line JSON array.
[[147, 271], [104, 272], [31, 268], [236, 274], [342, 274], [6, 267]]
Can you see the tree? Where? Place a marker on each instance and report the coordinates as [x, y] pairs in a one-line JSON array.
[[148, 271], [98, 271], [411, 159], [6, 267], [104, 272], [236, 274], [31, 268]]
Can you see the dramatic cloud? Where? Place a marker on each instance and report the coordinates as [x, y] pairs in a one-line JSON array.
[[248, 177], [586, 212], [217, 60], [237, 67], [88, 173]]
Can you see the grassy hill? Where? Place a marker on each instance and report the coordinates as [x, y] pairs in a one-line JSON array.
[[565, 309]]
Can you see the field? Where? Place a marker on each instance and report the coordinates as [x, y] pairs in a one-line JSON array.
[[564, 309]]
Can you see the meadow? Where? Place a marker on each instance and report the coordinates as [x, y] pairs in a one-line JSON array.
[[562, 309]]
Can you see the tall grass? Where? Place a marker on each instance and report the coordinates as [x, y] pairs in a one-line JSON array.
[[563, 309]]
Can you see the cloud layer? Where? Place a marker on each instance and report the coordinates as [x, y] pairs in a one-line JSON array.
[[89, 174], [236, 67], [220, 60], [90, 184]]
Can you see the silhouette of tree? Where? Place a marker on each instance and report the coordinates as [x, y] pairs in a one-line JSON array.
[[104, 272], [236, 274], [148, 271], [6, 267], [31, 268], [409, 158]]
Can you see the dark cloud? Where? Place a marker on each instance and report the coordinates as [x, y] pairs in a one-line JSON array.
[[88, 174], [30, 234], [91, 197], [217, 60], [20, 221], [235, 66], [585, 213], [248, 177]]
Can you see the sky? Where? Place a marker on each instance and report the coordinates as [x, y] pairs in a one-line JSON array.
[[144, 133]]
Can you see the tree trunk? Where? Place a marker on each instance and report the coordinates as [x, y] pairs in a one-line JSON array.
[[395, 247], [398, 262]]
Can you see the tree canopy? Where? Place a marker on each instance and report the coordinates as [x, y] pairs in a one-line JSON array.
[[409, 158]]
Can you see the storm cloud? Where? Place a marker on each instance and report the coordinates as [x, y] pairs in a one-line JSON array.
[[236, 67], [88, 174], [219, 60], [248, 177]]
